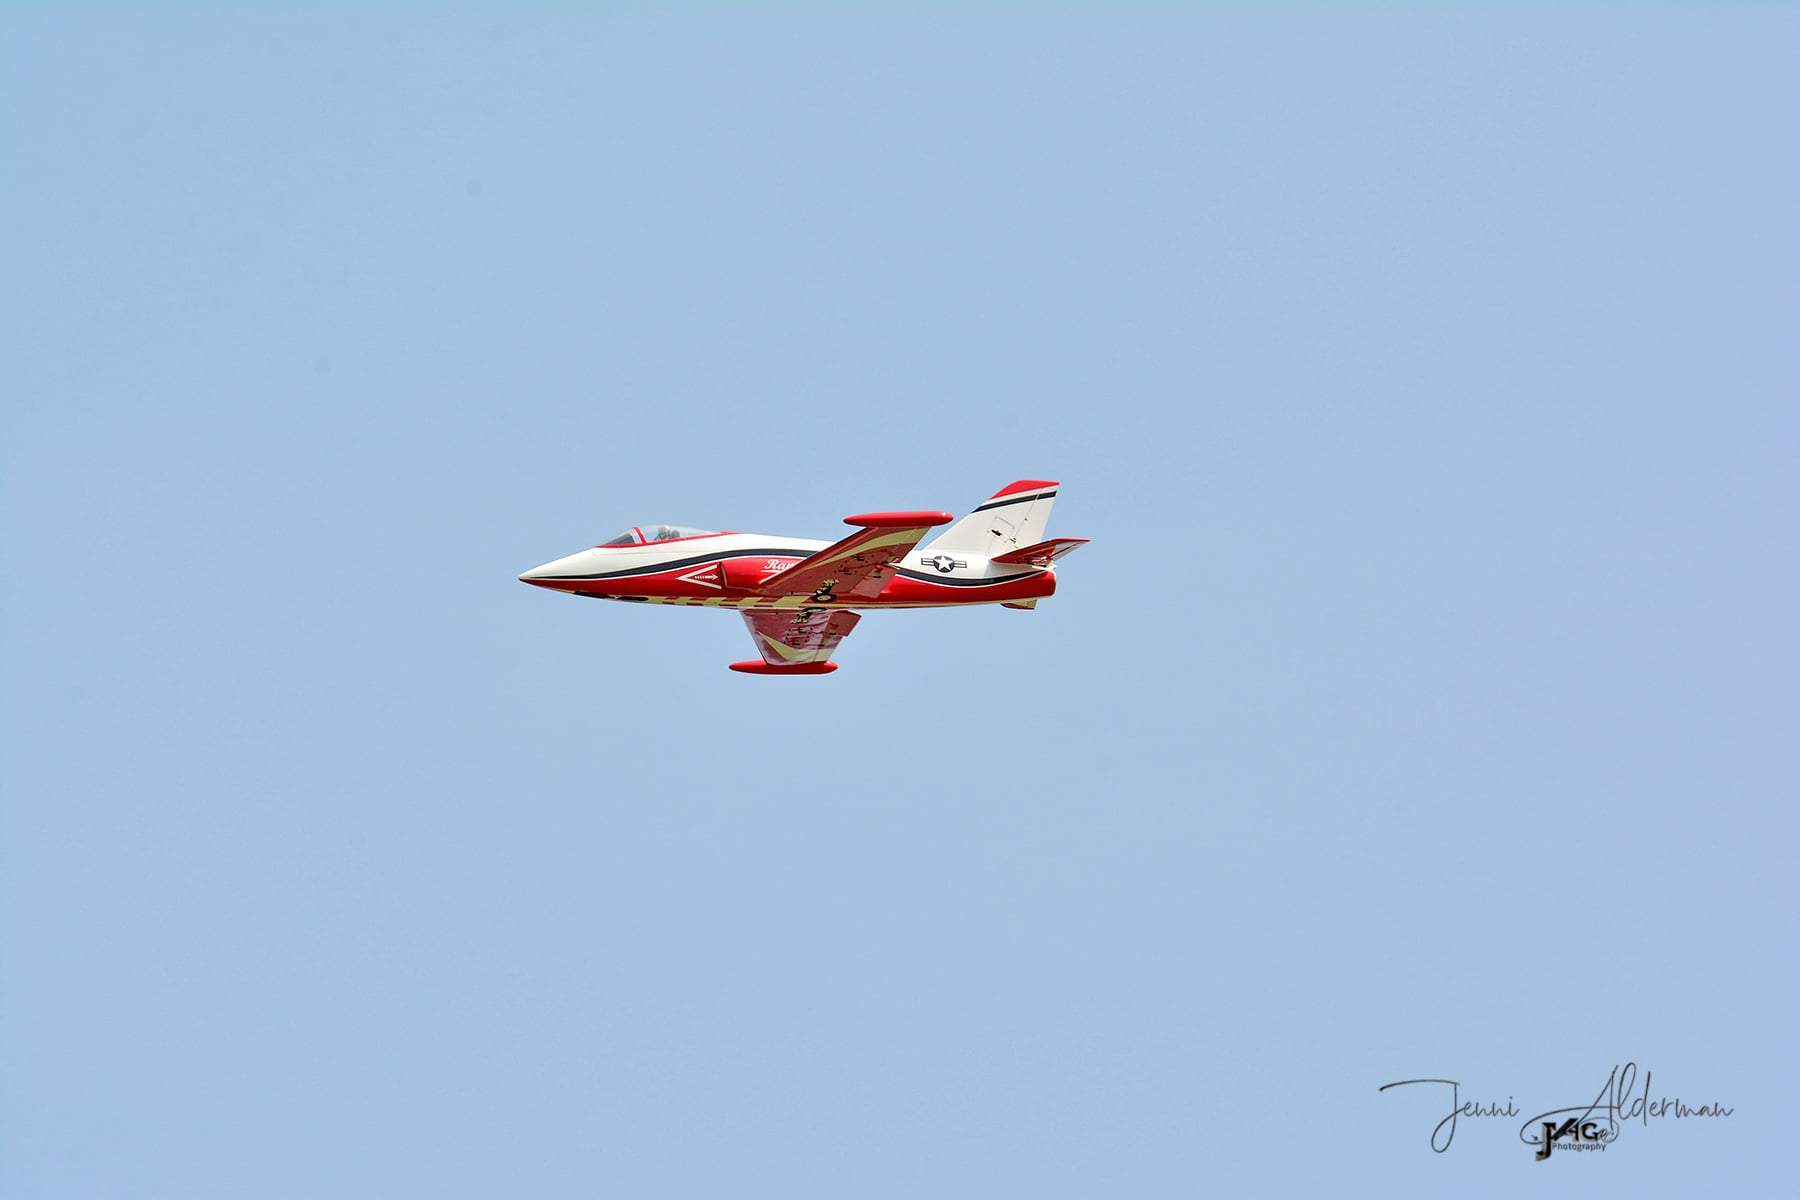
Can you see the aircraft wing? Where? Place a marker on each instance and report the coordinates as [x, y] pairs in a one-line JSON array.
[[795, 641], [856, 566]]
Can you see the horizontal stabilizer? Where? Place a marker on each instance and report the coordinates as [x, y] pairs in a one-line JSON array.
[[1042, 554]]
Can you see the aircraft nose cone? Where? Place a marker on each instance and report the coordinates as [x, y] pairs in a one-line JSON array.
[[555, 573], [539, 575]]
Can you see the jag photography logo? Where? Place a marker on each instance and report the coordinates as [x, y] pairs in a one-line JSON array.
[[1582, 1135], [1581, 1127]]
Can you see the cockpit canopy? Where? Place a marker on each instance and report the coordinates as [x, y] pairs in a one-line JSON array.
[[643, 535]]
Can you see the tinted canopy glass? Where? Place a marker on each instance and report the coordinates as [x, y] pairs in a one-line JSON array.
[[668, 533], [639, 535]]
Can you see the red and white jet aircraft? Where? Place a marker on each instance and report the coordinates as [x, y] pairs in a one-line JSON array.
[[801, 597]]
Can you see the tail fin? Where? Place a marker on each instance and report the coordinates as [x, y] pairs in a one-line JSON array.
[[1013, 518]]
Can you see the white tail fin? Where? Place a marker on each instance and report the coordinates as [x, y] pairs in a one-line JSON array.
[[1013, 518]]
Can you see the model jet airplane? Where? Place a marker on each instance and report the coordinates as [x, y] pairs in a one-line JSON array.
[[801, 597]]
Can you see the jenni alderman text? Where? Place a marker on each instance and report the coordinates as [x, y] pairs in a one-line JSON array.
[[1592, 1126]]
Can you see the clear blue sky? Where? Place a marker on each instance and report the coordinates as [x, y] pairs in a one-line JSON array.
[[1424, 706]]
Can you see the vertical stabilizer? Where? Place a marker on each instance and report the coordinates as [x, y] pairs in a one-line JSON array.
[[1014, 517]]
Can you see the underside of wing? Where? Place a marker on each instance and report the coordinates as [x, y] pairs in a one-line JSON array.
[[795, 642], [855, 567]]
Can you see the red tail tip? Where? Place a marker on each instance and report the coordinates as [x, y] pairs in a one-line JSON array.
[[1024, 485]]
